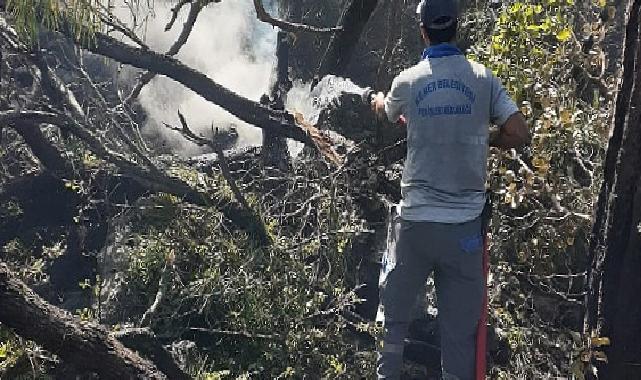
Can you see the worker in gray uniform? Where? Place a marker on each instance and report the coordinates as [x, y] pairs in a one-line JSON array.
[[448, 103]]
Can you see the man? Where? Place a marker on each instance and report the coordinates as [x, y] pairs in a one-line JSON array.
[[448, 103]]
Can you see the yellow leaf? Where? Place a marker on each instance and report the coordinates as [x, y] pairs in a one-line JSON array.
[[600, 342], [564, 35], [600, 356]]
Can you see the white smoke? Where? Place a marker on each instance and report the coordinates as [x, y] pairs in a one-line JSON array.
[[228, 44]]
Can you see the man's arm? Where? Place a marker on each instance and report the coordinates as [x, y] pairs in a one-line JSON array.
[[513, 134], [513, 130]]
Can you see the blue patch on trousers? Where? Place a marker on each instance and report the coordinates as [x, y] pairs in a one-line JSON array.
[[472, 244]]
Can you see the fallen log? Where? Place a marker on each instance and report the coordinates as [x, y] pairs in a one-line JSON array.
[[85, 345]]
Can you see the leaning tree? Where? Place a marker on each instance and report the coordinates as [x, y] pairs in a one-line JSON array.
[[613, 310]]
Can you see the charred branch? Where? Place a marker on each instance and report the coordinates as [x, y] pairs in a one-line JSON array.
[[280, 123], [224, 168], [174, 13], [341, 46], [288, 26], [194, 10], [74, 341], [23, 122], [146, 344]]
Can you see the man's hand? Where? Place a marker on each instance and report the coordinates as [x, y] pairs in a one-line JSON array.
[[378, 105]]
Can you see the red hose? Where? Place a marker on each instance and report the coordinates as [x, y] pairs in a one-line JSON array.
[[481, 334]]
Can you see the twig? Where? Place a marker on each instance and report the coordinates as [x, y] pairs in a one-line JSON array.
[[145, 78], [160, 295], [292, 27], [242, 334], [224, 168], [174, 13]]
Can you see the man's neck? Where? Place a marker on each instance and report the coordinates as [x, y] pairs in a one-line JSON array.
[[429, 45], [441, 50]]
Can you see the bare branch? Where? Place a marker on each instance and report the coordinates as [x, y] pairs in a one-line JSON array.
[[174, 13], [65, 98], [109, 19], [279, 123], [145, 78], [188, 134], [292, 27], [224, 168], [222, 160]]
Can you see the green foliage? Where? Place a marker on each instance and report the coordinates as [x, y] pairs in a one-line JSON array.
[[544, 205], [264, 312], [18, 360], [78, 16]]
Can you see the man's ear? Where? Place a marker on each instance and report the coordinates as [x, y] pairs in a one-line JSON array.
[[426, 39]]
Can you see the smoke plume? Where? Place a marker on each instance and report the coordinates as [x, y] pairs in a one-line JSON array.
[[229, 45]]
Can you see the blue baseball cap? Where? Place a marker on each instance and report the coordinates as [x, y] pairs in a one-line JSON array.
[[438, 14]]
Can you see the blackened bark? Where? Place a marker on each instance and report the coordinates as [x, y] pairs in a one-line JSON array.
[[86, 346], [274, 151], [48, 155], [613, 309], [341, 46]]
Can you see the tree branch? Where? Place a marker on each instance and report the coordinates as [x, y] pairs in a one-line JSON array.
[[194, 10], [174, 13], [224, 168], [155, 181], [341, 46], [279, 123], [292, 27], [40, 146], [144, 341], [222, 160], [73, 340]]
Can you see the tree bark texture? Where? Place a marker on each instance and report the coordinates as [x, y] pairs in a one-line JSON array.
[[86, 346], [613, 309], [341, 46], [274, 151]]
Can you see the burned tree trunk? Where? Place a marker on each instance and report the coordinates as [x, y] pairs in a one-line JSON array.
[[86, 346], [613, 309], [341, 46], [274, 149]]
